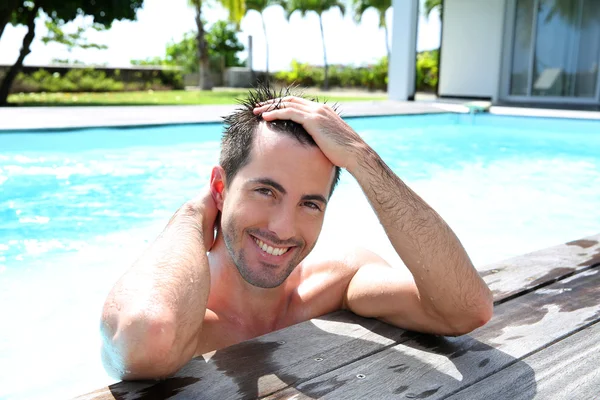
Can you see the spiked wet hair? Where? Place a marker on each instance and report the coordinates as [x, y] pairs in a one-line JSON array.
[[242, 124]]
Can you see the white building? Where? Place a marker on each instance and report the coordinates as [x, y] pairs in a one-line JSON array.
[[522, 51]]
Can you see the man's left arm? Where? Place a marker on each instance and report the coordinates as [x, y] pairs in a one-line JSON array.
[[449, 292], [448, 296]]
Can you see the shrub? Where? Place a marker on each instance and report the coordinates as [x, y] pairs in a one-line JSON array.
[[91, 80], [373, 77], [427, 70]]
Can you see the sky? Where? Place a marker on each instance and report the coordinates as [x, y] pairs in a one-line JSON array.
[[160, 22]]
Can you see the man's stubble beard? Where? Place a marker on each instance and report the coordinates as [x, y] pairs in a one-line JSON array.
[[266, 281]]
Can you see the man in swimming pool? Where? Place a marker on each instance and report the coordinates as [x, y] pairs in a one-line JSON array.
[[193, 291]]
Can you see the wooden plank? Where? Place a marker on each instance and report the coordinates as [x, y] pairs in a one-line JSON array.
[[435, 367], [566, 370], [516, 276], [281, 359], [269, 363]]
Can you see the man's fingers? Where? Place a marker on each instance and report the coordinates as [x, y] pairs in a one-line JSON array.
[[293, 114], [282, 105], [288, 99]]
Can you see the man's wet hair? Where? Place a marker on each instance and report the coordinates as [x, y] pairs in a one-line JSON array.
[[241, 127]]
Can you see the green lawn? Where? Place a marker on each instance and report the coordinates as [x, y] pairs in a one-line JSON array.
[[174, 97]]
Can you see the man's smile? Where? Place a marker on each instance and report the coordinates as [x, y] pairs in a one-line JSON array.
[[273, 254]]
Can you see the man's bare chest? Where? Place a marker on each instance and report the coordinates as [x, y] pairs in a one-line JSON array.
[[219, 331]]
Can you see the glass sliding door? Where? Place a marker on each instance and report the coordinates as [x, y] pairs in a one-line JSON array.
[[555, 50], [521, 55], [556, 47], [586, 79]]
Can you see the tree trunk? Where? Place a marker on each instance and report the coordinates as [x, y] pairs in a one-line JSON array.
[[326, 83], [266, 43], [25, 50], [204, 72], [223, 65], [3, 22]]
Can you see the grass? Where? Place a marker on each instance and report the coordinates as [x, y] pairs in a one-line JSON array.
[[171, 97]]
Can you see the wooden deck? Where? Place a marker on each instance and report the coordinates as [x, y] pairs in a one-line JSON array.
[[543, 342]]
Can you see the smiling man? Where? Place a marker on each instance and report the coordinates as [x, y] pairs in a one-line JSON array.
[[193, 291]]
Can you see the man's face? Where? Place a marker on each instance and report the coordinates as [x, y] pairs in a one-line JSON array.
[[273, 209]]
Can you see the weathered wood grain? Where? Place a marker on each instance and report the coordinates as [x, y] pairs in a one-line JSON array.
[[268, 363], [515, 276], [430, 367], [566, 370]]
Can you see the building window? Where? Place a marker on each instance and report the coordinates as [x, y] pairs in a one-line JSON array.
[[556, 48]]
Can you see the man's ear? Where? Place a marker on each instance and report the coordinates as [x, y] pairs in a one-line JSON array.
[[217, 186]]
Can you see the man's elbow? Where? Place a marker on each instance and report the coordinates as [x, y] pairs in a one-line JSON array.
[[471, 319], [138, 349]]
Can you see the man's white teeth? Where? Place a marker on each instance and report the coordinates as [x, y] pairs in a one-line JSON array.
[[271, 250]]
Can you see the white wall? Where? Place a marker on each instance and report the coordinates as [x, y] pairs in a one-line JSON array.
[[472, 35]]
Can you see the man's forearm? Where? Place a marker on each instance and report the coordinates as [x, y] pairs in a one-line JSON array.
[[448, 283], [156, 309]]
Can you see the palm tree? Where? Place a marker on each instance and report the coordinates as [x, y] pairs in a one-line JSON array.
[[237, 9], [360, 6], [260, 6], [431, 5], [304, 6]]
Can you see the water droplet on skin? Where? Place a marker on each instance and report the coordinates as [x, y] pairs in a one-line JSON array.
[[192, 280]]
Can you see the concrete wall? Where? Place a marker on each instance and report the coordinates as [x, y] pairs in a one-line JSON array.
[[471, 48]]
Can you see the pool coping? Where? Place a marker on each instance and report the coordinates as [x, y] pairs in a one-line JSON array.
[[23, 119], [60, 118]]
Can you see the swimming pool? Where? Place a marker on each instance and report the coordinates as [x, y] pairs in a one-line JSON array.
[[77, 207]]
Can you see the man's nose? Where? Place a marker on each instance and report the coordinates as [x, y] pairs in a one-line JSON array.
[[282, 222]]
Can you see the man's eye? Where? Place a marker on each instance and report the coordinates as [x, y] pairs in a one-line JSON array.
[[312, 205], [265, 191]]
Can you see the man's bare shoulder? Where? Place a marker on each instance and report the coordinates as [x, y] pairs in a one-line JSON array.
[[320, 281]]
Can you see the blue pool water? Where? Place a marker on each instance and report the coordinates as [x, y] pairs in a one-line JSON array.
[[77, 207]]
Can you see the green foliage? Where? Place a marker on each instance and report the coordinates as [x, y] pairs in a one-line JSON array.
[[301, 74], [151, 97], [104, 12], [73, 40], [360, 6], [260, 5], [431, 5], [318, 6], [427, 70], [75, 80], [91, 80], [223, 45], [236, 9], [373, 77], [183, 53]]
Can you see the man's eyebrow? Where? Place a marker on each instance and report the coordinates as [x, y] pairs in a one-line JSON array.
[[269, 182]]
